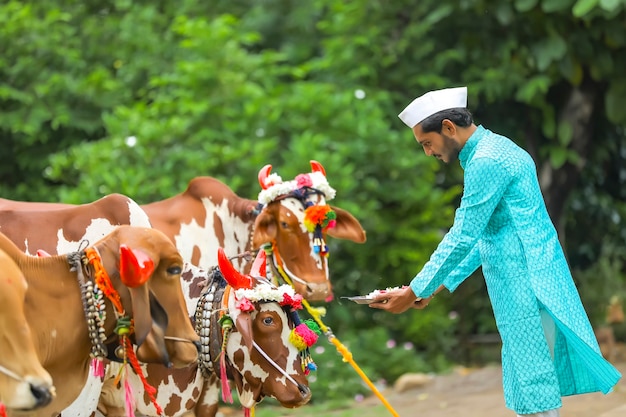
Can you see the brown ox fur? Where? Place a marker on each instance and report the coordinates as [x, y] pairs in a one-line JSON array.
[[61, 339], [60, 228], [17, 349]]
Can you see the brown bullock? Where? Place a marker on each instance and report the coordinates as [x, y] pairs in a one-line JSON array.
[[31, 226], [56, 305], [259, 355], [209, 215], [24, 383]]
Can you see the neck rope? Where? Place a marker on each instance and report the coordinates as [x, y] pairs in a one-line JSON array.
[[11, 374], [94, 289]]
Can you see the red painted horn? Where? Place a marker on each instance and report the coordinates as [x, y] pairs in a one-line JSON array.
[[263, 174], [234, 278], [136, 267], [317, 167]]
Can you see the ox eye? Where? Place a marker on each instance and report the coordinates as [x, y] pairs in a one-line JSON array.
[[268, 321], [284, 225], [174, 270]]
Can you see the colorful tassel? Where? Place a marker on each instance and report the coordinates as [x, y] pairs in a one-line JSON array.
[[149, 389], [227, 396], [227, 325], [3, 410], [129, 398], [97, 367]]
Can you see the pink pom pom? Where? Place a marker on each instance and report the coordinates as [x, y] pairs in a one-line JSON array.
[[331, 224], [306, 334]]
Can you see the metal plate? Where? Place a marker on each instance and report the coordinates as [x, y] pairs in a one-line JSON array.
[[360, 299]]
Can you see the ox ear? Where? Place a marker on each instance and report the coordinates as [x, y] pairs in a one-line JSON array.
[[263, 174], [346, 227], [264, 228], [317, 167], [259, 264], [136, 267], [150, 322], [234, 278], [244, 327]]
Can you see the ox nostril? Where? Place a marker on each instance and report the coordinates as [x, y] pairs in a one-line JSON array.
[[42, 394], [304, 390], [197, 344]]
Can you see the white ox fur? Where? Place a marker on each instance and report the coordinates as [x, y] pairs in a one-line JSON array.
[[203, 238]]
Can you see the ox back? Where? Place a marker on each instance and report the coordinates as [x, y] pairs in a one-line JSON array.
[[206, 216], [60, 228]]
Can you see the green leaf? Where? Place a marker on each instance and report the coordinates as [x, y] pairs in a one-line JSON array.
[[551, 6], [525, 5], [610, 5], [565, 133], [558, 157], [615, 101], [582, 7]]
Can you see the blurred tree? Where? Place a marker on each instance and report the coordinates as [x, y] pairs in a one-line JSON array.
[[139, 97]]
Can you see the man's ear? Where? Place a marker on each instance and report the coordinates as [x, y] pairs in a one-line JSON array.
[[448, 127]]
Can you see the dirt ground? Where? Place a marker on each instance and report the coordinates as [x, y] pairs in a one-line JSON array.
[[478, 393]]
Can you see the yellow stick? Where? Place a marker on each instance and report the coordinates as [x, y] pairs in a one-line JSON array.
[[347, 356], [341, 348]]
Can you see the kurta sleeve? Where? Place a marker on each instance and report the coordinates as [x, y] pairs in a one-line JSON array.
[[466, 268], [484, 185]]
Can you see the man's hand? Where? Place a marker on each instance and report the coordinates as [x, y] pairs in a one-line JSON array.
[[399, 301]]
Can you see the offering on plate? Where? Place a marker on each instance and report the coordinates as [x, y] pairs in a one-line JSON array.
[[369, 298]]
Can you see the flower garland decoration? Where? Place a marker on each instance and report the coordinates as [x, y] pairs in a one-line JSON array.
[[277, 188], [284, 295]]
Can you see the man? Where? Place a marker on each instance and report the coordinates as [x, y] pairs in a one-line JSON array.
[[548, 346]]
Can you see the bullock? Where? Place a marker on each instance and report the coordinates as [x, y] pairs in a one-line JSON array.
[[138, 271], [32, 226], [208, 215], [247, 327], [24, 383]]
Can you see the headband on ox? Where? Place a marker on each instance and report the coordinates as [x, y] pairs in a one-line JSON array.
[[317, 218], [274, 187]]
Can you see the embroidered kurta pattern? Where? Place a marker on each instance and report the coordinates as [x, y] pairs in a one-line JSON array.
[[502, 225]]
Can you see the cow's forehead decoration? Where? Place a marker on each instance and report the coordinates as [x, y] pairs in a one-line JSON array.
[[274, 186], [284, 295]]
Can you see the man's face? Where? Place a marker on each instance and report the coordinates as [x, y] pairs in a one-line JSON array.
[[443, 146]]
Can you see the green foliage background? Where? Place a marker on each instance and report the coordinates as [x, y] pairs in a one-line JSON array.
[[138, 97]]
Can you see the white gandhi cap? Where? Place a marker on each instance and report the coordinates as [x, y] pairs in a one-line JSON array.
[[433, 102]]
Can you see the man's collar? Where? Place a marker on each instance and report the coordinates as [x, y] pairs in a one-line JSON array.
[[470, 145]]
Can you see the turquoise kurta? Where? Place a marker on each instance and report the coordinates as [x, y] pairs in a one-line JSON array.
[[548, 345]]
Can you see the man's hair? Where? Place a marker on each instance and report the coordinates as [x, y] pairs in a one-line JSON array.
[[459, 116]]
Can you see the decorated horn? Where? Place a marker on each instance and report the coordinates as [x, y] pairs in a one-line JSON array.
[[317, 167], [136, 266], [263, 174], [234, 278]]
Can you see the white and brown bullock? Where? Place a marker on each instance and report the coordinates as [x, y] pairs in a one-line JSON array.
[[33, 227], [69, 324], [209, 215], [245, 325], [24, 383]]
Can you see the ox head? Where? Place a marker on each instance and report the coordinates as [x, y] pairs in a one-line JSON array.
[[294, 223], [149, 266], [24, 383], [265, 360]]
